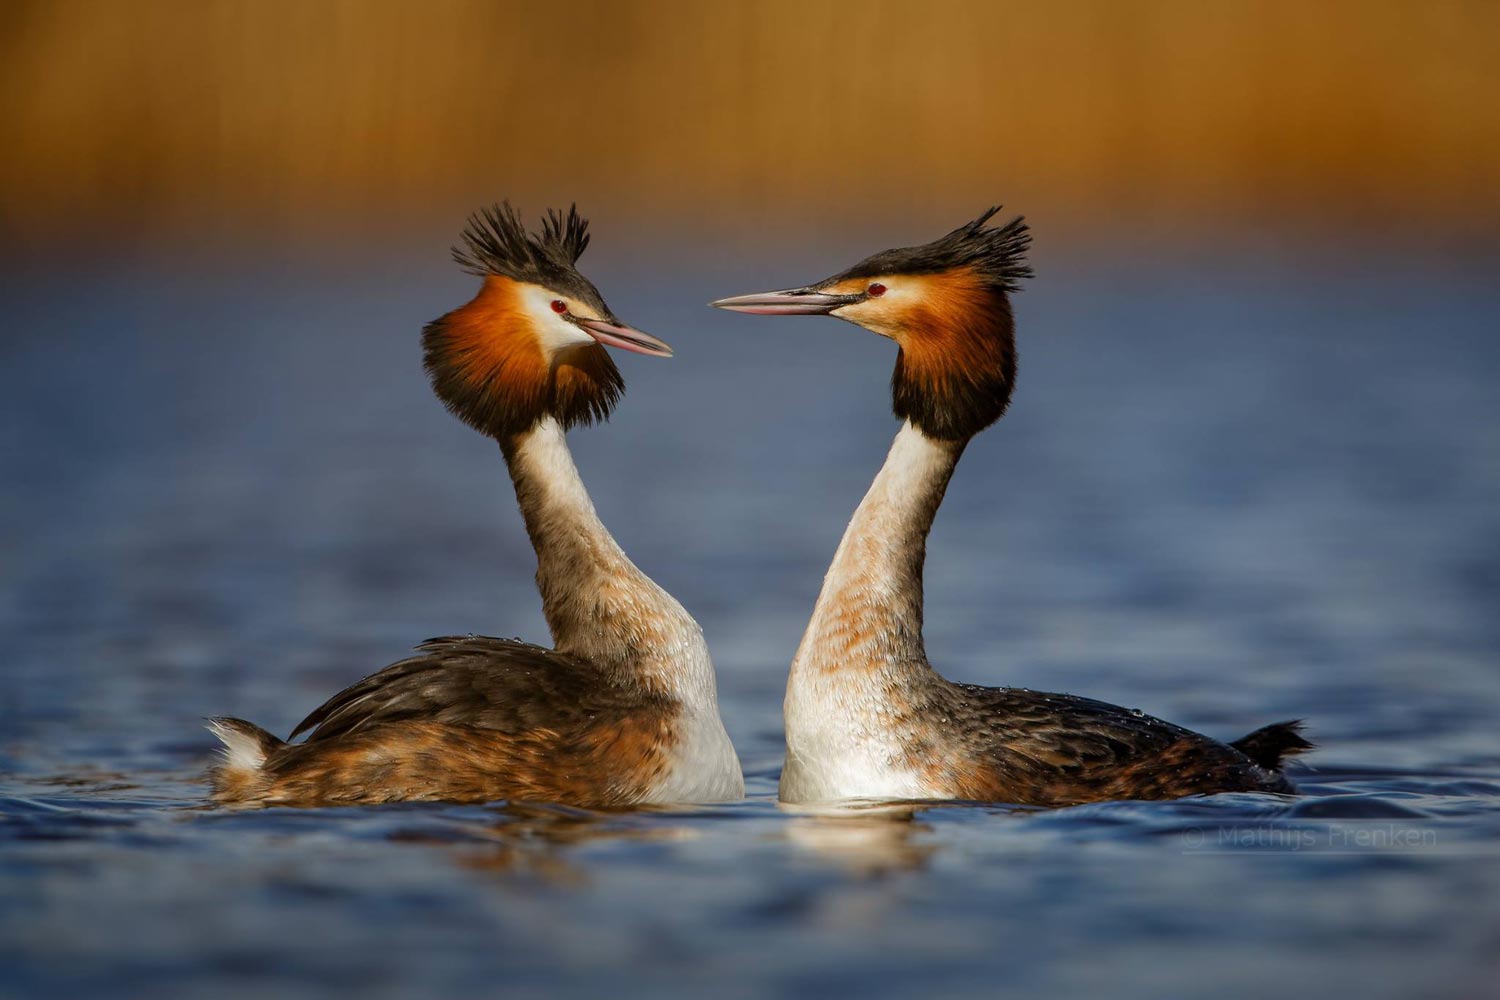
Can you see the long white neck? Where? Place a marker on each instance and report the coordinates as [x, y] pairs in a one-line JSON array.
[[860, 682], [868, 619], [602, 609], [598, 605]]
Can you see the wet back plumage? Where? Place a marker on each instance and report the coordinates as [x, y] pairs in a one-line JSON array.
[[473, 719]]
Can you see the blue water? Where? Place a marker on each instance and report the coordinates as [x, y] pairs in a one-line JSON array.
[[1230, 491]]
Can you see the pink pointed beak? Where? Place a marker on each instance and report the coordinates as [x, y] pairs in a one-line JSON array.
[[788, 302], [626, 338]]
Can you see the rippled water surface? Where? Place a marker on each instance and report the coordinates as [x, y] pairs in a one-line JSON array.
[[1227, 495]]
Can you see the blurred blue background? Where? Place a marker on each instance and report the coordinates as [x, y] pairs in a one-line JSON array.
[[1251, 473]]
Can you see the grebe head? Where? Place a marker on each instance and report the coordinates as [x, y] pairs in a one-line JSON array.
[[947, 306], [529, 344]]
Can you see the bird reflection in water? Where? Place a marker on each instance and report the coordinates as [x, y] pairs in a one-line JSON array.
[[534, 841], [868, 839]]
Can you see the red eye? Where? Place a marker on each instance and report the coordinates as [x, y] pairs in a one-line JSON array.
[[559, 306], [875, 291]]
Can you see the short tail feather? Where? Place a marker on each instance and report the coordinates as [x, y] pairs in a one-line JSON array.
[[245, 749], [1269, 745]]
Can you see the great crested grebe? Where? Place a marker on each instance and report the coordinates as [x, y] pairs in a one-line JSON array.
[[624, 711], [866, 716]]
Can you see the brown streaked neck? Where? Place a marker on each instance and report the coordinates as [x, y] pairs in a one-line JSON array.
[[869, 614], [598, 605]]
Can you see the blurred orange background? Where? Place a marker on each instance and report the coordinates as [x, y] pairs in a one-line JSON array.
[[351, 118]]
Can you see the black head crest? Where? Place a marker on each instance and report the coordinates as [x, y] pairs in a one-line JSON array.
[[487, 375], [997, 255], [567, 237], [496, 242]]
